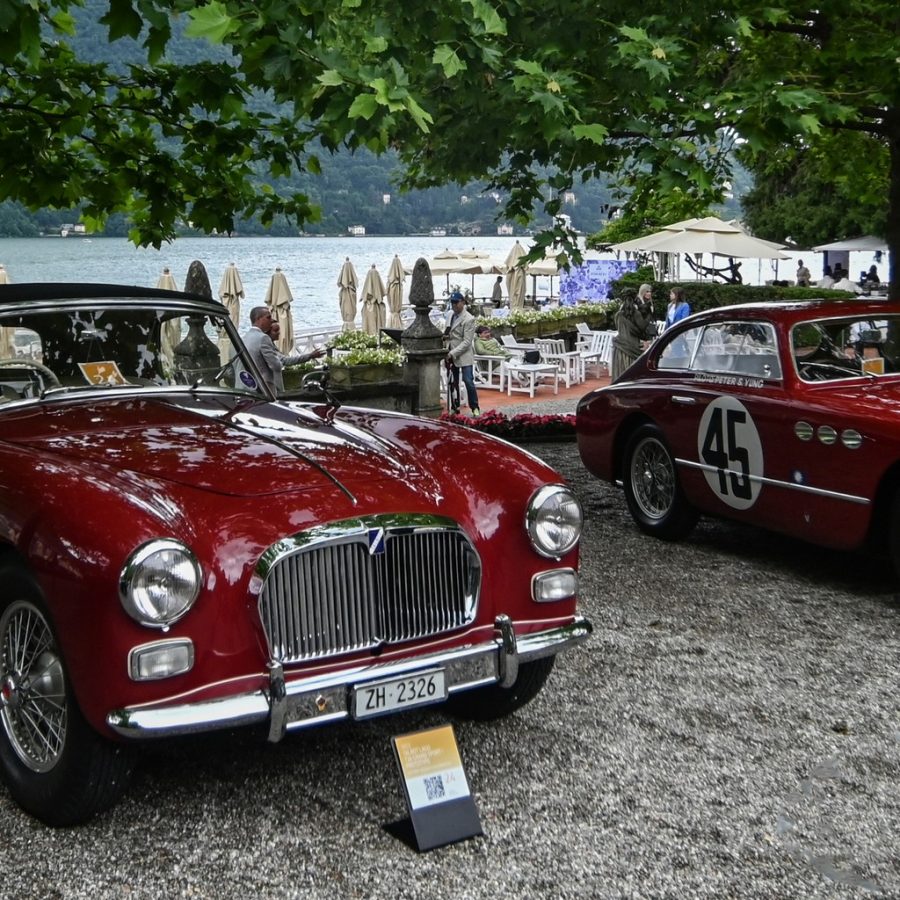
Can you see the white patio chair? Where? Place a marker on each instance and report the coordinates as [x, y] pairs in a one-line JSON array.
[[488, 372], [569, 362]]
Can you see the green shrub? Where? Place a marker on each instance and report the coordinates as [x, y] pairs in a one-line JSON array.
[[708, 295]]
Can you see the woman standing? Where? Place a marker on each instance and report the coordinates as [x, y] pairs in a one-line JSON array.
[[632, 322], [678, 308]]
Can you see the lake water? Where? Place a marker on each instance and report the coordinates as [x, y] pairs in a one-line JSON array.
[[311, 265]]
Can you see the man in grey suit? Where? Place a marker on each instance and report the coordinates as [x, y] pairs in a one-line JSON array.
[[261, 349], [462, 351]]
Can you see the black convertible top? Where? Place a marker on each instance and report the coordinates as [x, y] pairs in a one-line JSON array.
[[43, 291]]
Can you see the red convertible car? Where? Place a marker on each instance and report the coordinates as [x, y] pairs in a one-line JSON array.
[[180, 551], [782, 415]]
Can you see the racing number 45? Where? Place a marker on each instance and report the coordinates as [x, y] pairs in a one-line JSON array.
[[722, 451]]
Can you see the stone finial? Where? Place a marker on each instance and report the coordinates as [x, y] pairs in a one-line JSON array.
[[197, 281], [421, 298]]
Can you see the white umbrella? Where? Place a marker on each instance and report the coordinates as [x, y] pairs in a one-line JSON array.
[[231, 291], [860, 244], [279, 299], [395, 278], [166, 281], [373, 313], [723, 243], [7, 346], [515, 277], [347, 285], [546, 267], [171, 333]]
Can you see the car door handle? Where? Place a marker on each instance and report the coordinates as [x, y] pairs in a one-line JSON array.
[[685, 401]]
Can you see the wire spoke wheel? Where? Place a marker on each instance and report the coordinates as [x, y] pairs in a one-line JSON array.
[[652, 489], [653, 478], [33, 707]]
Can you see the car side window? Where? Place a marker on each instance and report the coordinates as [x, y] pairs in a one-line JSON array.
[[738, 348], [677, 353]]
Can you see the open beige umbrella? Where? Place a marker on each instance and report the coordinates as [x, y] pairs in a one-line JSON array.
[[279, 299], [347, 285], [7, 345], [395, 278], [373, 312], [515, 277]]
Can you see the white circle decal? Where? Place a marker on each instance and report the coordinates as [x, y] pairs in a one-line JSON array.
[[728, 442]]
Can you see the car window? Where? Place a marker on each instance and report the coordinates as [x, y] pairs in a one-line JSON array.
[[677, 353], [847, 347], [118, 345], [740, 348]]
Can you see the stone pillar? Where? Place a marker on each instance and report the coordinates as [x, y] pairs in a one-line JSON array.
[[424, 344]]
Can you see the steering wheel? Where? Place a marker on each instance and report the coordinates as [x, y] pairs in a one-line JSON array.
[[48, 377]]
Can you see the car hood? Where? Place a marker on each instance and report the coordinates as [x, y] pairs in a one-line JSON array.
[[220, 443]]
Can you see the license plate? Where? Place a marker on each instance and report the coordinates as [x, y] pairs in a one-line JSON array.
[[378, 697]]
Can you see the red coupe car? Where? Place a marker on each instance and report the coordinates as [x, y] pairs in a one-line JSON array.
[[181, 551], [782, 415]]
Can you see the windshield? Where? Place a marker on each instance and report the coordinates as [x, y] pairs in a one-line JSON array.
[[45, 352], [828, 349]]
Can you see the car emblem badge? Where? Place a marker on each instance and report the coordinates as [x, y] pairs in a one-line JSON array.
[[376, 541]]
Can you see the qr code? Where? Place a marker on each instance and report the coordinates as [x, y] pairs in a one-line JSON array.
[[434, 787]]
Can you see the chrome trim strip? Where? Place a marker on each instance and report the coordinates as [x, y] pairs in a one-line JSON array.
[[761, 479], [325, 698]]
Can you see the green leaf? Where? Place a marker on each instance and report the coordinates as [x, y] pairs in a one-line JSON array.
[[635, 34], [810, 124], [331, 78], [376, 44], [594, 133], [363, 107], [488, 17], [446, 57], [422, 118], [529, 67], [211, 22]]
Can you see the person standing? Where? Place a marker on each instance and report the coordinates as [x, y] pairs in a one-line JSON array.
[[261, 349], [803, 275], [633, 324], [274, 333], [677, 309], [461, 357], [497, 292]]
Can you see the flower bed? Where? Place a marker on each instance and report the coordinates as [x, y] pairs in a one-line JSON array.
[[518, 428]]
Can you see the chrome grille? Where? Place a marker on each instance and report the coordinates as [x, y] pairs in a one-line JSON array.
[[353, 586]]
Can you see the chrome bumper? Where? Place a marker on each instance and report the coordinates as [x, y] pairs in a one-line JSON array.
[[287, 705]]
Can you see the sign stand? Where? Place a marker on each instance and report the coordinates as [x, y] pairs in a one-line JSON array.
[[441, 808]]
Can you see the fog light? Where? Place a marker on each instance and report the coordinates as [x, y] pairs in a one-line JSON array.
[[161, 660], [559, 584]]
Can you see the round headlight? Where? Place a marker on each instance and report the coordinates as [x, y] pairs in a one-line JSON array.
[[159, 583], [554, 520]]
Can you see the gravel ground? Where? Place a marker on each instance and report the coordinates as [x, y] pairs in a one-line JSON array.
[[730, 730]]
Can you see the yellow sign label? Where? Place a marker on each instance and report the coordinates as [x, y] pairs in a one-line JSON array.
[[105, 372], [432, 767]]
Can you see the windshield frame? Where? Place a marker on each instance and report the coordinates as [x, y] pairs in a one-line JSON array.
[[186, 305]]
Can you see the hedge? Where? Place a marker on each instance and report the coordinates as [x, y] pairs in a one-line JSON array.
[[708, 295]]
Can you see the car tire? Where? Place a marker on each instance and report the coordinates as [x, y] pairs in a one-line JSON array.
[[57, 768], [652, 489], [495, 702]]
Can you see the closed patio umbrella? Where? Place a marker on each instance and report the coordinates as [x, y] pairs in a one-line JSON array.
[[515, 277], [279, 299], [373, 312], [171, 336], [347, 286], [7, 347], [395, 278], [231, 292]]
